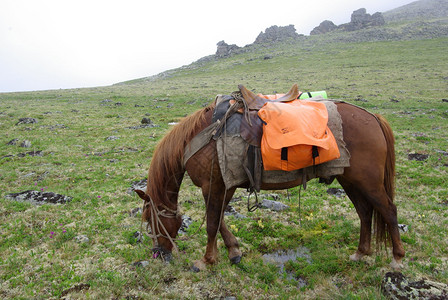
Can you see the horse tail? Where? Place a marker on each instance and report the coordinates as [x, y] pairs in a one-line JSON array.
[[389, 179], [389, 171]]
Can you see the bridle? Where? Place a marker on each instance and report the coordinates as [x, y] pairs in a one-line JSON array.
[[156, 225]]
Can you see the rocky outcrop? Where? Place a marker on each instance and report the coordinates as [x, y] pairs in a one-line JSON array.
[[225, 49], [360, 19], [276, 33], [324, 27], [396, 286]]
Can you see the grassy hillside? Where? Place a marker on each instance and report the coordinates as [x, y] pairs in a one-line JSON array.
[[406, 81]]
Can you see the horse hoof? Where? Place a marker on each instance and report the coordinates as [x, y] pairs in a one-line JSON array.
[[235, 260], [356, 256], [195, 269], [396, 265], [198, 266], [167, 258]]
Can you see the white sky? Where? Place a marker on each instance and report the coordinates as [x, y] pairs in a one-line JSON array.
[[52, 44]]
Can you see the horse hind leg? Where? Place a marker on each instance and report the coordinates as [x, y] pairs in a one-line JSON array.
[[365, 213], [386, 219]]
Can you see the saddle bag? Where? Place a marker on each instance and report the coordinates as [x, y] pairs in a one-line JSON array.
[[296, 135]]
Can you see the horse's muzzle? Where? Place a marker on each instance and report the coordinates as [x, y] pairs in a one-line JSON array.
[[162, 253]]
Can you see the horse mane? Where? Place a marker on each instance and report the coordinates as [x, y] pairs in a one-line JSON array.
[[167, 159]]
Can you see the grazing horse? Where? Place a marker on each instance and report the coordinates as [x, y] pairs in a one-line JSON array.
[[368, 182]]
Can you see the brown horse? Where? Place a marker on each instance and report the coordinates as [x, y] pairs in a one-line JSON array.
[[368, 182]]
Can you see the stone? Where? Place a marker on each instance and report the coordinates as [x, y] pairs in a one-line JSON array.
[[273, 205], [138, 185], [39, 198], [146, 121], [135, 212], [186, 222], [12, 142], [418, 156], [138, 236], [141, 263], [360, 19], [112, 138], [276, 33], [231, 211], [26, 121], [336, 192], [31, 153], [225, 50], [25, 144], [324, 27], [403, 228], [82, 239], [396, 286]]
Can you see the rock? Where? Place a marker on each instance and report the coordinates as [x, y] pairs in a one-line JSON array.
[[138, 236], [273, 205], [324, 27], [25, 144], [403, 228], [418, 156], [186, 222], [146, 121], [444, 100], [82, 239], [276, 33], [12, 142], [396, 286], [141, 263], [31, 153], [112, 138], [39, 198], [138, 185], [26, 121], [231, 211], [360, 19], [336, 192], [225, 50], [136, 211], [441, 152]]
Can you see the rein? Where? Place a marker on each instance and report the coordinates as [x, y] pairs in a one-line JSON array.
[[156, 223]]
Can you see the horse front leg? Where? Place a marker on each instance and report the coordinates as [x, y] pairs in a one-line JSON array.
[[231, 243], [216, 202]]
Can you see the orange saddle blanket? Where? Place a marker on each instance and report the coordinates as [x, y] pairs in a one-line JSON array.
[[296, 135]]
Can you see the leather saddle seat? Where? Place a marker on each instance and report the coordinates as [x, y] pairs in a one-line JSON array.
[[251, 128]]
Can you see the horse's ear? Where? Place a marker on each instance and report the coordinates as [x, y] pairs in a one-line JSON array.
[[142, 195]]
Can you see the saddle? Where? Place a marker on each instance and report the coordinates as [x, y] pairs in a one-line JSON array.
[[238, 131], [248, 104]]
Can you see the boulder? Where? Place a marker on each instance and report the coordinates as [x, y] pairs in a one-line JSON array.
[[360, 19], [396, 286], [225, 50], [36, 197], [276, 33], [324, 27]]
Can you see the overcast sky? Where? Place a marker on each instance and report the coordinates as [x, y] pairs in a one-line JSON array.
[[52, 44]]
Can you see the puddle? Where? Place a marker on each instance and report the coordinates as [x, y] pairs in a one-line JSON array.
[[279, 258]]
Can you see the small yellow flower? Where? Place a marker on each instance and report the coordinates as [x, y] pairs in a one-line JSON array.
[[309, 217], [260, 224], [234, 228]]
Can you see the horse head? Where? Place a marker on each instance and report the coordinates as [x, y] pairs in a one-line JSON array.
[[164, 223]]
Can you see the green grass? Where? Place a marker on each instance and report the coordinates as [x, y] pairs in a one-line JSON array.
[[78, 161]]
